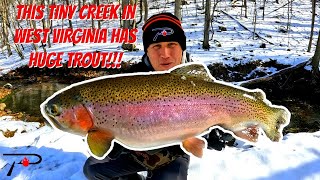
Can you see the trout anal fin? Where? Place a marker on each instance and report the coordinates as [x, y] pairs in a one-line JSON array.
[[194, 146], [250, 133], [99, 141]]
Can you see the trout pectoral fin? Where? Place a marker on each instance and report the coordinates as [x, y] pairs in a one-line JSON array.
[[99, 141], [250, 133], [194, 146]]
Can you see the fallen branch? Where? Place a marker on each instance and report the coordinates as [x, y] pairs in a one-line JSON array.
[[246, 27], [280, 7], [272, 76]]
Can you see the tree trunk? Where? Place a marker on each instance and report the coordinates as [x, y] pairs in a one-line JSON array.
[[70, 21], [215, 4], [316, 60], [145, 5], [128, 25], [43, 27], [245, 8], [241, 8], [3, 43], [99, 21], [4, 16], [312, 24], [288, 22], [15, 46], [205, 44], [92, 21], [33, 26], [17, 23], [177, 9], [140, 11], [49, 23], [264, 7], [254, 19], [79, 5]]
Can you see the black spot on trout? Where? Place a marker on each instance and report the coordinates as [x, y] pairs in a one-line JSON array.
[[144, 111]]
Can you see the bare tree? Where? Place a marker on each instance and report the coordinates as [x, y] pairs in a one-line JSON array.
[[140, 11], [244, 5], [4, 15], [15, 25], [10, 23], [316, 60], [33, 26], [264, 7], [70, 21], [49, 23], [312, 24], [177, 9], [79, 5], [254, 19], [215, 4], [92, 21], [245, 8], [288, 11], [128, 25], [43, 27], [205, 44], [99, 21], [145, 5]]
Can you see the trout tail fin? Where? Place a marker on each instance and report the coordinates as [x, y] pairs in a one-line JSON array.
[[272, 122], [278, 119]]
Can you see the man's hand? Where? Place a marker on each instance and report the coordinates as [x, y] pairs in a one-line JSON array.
[[218, 139]]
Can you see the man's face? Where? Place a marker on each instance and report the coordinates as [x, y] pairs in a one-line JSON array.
[[164, 55]]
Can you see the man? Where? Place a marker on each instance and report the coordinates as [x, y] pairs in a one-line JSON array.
[[165, 47], [164, 44]]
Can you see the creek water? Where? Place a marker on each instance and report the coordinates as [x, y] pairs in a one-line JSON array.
[[27, 98]]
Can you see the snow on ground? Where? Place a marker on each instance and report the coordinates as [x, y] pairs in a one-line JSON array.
[[63, 156], [296, 157]]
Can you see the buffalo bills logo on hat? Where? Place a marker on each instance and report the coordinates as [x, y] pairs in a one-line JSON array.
[[162, 32]]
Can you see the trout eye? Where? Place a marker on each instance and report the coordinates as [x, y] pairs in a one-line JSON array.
[[54, 110]]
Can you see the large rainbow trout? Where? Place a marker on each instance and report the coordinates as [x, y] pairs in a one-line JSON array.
[[144, 111]]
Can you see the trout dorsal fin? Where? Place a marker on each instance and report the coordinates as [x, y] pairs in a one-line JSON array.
[[194, 70], [258, 94]]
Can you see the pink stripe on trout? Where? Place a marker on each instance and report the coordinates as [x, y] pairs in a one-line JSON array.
[[144, 111]]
